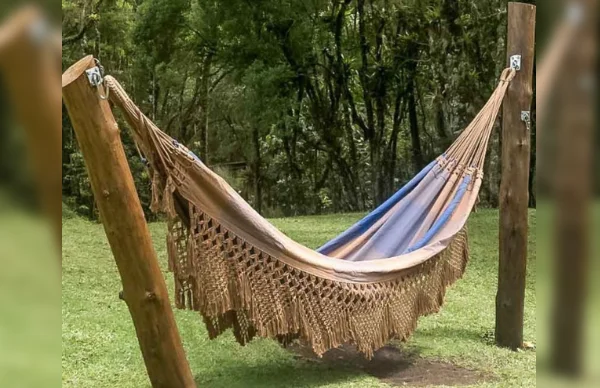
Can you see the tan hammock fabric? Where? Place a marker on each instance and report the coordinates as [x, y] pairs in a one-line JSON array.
[[240, 272]]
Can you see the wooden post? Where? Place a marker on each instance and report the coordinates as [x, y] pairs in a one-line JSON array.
[[29, 67], [514, 192], [574, 115], [144, 288]]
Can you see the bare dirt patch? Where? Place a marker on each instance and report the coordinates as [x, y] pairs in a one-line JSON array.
[[397, 367]]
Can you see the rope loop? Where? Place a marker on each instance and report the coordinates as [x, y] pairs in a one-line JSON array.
[[508, 74], [103, 94], [103, 90]]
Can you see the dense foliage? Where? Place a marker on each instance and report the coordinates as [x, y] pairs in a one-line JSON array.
[[303, 106]]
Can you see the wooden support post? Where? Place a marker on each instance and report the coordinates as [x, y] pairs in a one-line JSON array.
[[144, 288], [29, 68], [514, 192], [574, 115]]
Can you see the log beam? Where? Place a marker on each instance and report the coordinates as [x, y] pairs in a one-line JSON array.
[[144, 288], [574, 119], [514, 190], [29, 68]]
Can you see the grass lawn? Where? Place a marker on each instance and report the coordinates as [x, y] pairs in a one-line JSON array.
[[99, 347], [29, 301]]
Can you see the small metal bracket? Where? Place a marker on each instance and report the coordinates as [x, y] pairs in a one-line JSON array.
[[515, 62], [94, 76], [526, 117]]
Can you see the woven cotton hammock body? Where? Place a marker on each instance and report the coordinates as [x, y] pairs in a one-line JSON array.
[[366, 286]]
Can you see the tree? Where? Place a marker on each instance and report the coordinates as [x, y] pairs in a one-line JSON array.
[[307, 107]]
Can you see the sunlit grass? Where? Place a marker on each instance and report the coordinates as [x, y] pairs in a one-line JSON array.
[[100, 348]]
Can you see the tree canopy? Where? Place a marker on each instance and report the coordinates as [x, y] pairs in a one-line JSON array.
[[303, 106]]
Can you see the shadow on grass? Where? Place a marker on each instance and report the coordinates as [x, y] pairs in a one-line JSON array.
[[481, 334], [391, 365], [299, 373], [302, 368]]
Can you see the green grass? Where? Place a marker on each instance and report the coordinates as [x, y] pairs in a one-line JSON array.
[[29, 301], [100, 349]]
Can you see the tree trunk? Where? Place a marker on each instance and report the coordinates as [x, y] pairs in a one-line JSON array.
[[204, 107], [256, 164], [413, 56], [440, 124], [415, 138]]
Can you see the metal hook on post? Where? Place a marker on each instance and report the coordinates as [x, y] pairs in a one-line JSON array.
[[103, 95], [526, 117], [95, 76], [515, 62]]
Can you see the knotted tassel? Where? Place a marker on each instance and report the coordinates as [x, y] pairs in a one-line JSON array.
[[168, 204], [156, 192], [172, 253]]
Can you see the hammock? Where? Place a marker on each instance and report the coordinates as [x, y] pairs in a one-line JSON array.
[[366, 286]]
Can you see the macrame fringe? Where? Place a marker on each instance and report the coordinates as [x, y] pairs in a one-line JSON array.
[[234, 284]]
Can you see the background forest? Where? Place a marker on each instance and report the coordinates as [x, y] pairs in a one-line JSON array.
[[305, 107]]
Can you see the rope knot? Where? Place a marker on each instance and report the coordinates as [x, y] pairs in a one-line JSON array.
[[508, 74]]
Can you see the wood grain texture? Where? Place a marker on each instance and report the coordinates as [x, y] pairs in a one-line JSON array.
[[144, 288], [514, 192]]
